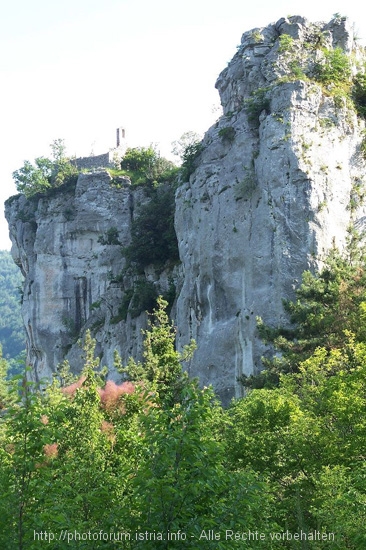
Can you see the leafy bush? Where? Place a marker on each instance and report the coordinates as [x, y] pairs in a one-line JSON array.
[[227, 134], [190, 157], [296, 70], [45, 173], [111, 237], [334, 69], [258, 102], [146, 166], [359, 94], [286, 43], [144, 297], [123, 307], [257, 36], [329, 305]]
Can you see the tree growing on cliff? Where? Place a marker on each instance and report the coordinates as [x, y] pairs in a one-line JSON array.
[[327, 304], [184, 143], [154, 240], [147, 166], [188, 148], [45, 172], [33, 178]]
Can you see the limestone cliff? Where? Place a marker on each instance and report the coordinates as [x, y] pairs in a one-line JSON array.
[[69, 245], [278, 181]]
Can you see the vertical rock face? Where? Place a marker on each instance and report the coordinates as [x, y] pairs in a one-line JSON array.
[[69, 245], [277, 183], [270, 195], [55, 242]]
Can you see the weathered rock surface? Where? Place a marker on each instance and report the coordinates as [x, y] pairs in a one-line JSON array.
[[270, 196], [74, 271], [274, 189]]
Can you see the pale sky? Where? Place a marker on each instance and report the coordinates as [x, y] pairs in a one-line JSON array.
[[78, 69]]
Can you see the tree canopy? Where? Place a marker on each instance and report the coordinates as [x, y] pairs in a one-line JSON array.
[[45, 173], [145, 166]]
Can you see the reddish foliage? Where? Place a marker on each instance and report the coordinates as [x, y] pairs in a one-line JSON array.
[[107, 427], [70, 390], [111, 393], [51, 450], [44, 419]]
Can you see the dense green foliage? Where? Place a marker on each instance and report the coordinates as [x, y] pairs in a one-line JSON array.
[[334, 72], [145, 166], [328, 303], [153, 243], [256, 103], [155, 458], [12, 337], [334, 69], [153, 237], [45, 173], [285, 43], [307, 438], [129, 458], [190, 160], [4, 394]]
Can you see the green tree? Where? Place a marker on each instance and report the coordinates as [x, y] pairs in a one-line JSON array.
[[142, 455], [162, 365], [301, 433], [190, 158], [153, 237], [340, 504], [147, 166], [183, 470], [58, 464], [45, 172], [4, 389], [327, 303], [22, 451], [32, 179], [334, 69], [182, 464], [187, 141]]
